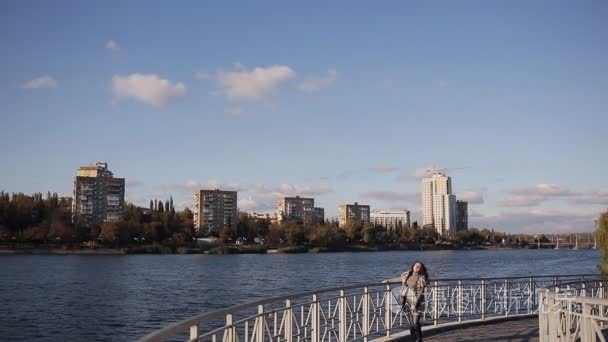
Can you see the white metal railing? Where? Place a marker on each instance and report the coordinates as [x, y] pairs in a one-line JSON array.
[[362, 312], [576, 311]]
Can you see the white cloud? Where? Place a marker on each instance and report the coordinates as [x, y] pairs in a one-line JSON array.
[[134, 183], [112, 45], [191, 186], [599, 197], [521, 201], [306, 190], [233, 110], [147, 88], [258, 197], [247, 204], [412, 197], [317, 83], [253, 85], [418, 174], [548, 190], [535, 195], [40, 83], [472, 197], [202, 75], [384, 168], [538, 221]]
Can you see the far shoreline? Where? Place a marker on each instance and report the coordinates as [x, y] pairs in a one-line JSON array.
[[243, 249]]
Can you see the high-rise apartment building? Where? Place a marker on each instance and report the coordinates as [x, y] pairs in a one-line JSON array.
[[391, 219], [353, 213], [319, 215], [298, 209], [214, 210], [439, 204], [462, 215], [98, 196]]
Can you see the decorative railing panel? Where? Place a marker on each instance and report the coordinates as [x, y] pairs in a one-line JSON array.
[[362, 312], [576, 311]]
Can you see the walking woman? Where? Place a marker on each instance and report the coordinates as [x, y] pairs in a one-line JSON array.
[[415, 279]]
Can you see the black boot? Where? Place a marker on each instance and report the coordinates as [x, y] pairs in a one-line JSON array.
[[413, 334], [417, 329]]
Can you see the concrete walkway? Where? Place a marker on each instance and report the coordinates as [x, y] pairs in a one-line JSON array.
[[523, 330]]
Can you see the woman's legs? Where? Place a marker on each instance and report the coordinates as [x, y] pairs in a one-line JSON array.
[[416, 330]]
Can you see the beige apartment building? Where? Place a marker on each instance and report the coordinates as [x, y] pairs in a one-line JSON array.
[[391, 219], [297, 209], [439, 204], [98, 196]]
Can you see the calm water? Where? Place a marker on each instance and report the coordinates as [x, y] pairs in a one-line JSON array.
[[121, 298]]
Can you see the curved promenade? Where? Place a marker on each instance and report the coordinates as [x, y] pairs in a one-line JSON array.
[[453, 309], [522, 330]]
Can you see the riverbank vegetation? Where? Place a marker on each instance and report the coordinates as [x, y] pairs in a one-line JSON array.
[[602, 240], [35, 222]]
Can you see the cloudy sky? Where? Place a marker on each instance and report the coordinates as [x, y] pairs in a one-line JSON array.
[[344, 103]]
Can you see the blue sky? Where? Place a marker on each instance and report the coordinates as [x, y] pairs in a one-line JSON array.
[[344, 103]]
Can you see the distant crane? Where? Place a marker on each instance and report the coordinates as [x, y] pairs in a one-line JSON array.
[[436, 169]]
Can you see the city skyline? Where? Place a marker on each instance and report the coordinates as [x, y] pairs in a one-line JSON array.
[[351, 109]]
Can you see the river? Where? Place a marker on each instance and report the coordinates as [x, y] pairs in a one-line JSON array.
[[121, 298]]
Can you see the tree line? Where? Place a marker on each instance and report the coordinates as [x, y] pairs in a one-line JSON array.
[[48, 219], [41, 219]]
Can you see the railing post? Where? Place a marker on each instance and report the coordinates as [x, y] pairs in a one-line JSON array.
[[531, 295], [342, 313], [587, 330], [435, 303], [388, 316], [483, 299], [459, 299], [260, 325], [366, 316], [315, 333], [288, 321], [229, 330], [506, 294], [584, 290], [193, 332]]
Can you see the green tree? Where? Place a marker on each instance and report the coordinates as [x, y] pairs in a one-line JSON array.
[[602, 239], [276, 233], [408, 235], [353, 231], [151, 205], [369, 234], [160, 206], [294, 234]]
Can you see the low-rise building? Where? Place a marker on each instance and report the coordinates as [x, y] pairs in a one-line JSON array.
[[391, 219]]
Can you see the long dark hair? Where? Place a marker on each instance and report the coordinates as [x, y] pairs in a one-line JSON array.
[[422, 270]]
